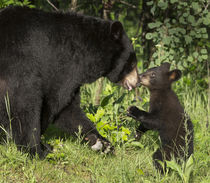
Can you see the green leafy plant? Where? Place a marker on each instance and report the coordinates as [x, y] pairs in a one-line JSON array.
[[57, 155], [110, 117], [184, 170], [108, 129]]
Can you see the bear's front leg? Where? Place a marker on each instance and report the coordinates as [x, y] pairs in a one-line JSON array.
[[72, 118]]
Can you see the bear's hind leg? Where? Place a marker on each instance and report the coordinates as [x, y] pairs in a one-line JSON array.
[[26, 132], [22, 124], [26, 129]]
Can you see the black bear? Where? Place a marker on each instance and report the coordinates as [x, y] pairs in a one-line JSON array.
[[166, 115], [45, 58]]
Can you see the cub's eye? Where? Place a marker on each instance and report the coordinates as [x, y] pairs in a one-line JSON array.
[[153, 75]]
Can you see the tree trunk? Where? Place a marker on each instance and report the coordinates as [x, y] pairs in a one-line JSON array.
[[73, 5], [107, 5]]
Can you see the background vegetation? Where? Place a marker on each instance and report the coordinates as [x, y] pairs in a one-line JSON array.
[[161, 30]]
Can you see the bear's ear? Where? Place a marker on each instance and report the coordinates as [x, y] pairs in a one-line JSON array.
[[175, 75], [166, 65], [116, 30]]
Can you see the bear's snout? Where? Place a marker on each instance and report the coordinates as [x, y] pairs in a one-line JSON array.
[[131, 80]]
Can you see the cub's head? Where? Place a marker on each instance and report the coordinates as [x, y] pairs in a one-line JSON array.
[[159, 77], [124, 62]]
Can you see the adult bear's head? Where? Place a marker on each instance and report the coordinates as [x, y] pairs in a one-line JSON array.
[[124, 62]]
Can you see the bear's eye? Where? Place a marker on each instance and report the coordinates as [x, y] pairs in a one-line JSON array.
[[153, 74]]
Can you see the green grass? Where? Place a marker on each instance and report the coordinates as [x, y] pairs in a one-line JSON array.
[[74, 162], [77, 163], [80, 164]]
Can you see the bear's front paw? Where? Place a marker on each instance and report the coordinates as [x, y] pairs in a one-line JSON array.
[[103, 146], [100, 144]]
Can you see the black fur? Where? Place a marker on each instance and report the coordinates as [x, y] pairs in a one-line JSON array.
[[166, 115], [45, 58]]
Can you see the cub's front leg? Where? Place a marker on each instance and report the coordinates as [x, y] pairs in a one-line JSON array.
[[136, 113], [149, 120]]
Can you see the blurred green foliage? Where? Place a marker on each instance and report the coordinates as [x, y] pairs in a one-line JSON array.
[[4, 3], [179, 32]]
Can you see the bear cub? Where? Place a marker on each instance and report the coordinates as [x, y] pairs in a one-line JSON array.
[[166, 115]]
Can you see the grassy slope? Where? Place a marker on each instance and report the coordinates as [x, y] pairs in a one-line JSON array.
[[75, 162]]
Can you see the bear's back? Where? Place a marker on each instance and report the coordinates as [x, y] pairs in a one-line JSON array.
[[37, 34]]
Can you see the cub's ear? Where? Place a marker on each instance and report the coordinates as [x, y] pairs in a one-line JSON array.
[[116, 30], [166, 65], [175, 75]]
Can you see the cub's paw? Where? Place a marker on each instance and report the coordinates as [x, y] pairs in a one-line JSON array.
[[133, 112]]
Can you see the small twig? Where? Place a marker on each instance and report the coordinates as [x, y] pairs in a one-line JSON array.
[[127, 4], [206, 7], [51, 4], [138, 29], [208, 102]]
